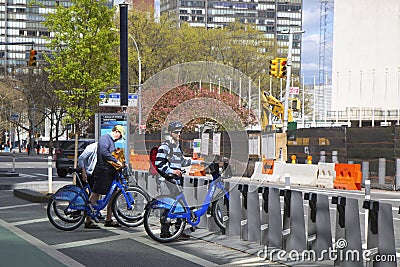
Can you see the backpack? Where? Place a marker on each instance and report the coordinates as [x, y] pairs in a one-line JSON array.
[[153, 156]]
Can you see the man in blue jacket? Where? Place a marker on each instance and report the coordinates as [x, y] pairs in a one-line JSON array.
[[104, 173]]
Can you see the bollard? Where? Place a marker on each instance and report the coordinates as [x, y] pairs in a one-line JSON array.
[[13, 162], [335, 156], [348, 230], [382, 171], [365, 171], [293, 230], [50, 173], [287, 181], [253, 212], [319, 235], [397, 174], [322, 156], [380, 242], [366, 215]]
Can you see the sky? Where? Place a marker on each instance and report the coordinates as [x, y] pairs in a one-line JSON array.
[[311, 39]]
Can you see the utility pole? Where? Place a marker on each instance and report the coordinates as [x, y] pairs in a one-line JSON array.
[[288, 77]]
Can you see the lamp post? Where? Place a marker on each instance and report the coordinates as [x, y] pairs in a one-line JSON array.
[[139, 84]]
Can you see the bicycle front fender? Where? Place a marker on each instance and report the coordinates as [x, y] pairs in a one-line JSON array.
[[166, 202]]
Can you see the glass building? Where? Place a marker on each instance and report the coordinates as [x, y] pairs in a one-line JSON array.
[[21, 29], [269, 16]]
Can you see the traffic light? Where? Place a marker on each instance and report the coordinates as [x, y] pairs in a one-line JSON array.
[[273, 68], [282, 67], [32, 58], [296, 104]]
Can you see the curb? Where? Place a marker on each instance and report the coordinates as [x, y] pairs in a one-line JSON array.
[[8, 174], [31, 195]]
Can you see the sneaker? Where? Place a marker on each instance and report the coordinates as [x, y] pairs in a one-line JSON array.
[[111, 223], [184, 236], [165, 235], [91, 225]]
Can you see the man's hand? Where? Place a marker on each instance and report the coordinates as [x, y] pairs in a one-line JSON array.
[[84, 175], [177, 173]]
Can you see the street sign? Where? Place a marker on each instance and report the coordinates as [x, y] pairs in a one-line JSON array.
[[113, 100], [14, 117], [294, 90]]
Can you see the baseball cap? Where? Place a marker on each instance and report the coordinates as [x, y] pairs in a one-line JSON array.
[[121, 129]]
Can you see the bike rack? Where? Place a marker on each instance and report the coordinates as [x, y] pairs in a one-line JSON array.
[[293, 233], [253, 212], [244, 189], [271, 218], [347, 229], [380, 231], [233, 226], [319, 234]]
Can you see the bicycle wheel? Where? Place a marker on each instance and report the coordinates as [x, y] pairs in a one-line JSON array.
[[130, 217], [157, 226], [62, 217], [220, 211]]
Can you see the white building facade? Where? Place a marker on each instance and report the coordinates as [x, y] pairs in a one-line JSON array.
[[366, 55]]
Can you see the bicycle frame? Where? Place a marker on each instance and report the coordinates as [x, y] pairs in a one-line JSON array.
[[119, 182], [173, 213]]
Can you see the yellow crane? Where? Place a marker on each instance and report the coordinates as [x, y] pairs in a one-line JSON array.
[[272, 105]]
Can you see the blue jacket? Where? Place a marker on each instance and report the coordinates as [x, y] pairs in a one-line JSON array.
[[104, 149]]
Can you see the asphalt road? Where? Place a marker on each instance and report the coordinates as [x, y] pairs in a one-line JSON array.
[[27, 237], [24, 227]]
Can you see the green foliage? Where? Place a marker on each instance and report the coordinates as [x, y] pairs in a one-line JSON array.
[[84, 55]]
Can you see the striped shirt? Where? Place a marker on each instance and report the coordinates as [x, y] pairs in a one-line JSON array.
[[167, 161]]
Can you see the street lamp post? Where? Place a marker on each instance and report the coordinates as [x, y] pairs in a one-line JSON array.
[[139, 84], [288, 76]]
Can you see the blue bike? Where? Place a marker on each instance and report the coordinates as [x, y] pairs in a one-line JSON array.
[[174, 212], [68, 207]]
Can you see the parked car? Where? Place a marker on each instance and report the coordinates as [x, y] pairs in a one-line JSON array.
[[65, 152]]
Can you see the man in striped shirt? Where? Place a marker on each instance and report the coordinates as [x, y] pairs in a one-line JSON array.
[[169, 162]]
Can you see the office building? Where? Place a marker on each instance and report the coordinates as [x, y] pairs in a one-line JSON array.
[[21, 29], [269, 16]]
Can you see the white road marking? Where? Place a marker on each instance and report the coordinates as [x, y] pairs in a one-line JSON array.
[[18, 206], [31, 221]]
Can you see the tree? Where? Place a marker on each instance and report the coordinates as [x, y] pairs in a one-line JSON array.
[[84, 57]]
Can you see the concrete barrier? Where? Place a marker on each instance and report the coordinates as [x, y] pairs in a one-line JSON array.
[[326, 175], [300, 174]]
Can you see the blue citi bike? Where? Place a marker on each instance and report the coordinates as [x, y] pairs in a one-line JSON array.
[[174, 212], [68, 206]]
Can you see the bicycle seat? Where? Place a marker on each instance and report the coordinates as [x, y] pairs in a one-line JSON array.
[[72, 170]]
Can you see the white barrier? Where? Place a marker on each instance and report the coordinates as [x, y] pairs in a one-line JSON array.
[[326, 175], [300, 174], [259, 176]]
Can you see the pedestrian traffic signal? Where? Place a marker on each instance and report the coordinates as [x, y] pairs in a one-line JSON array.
[[296, 104], [273, 68], [282, 67], [32, 58]]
